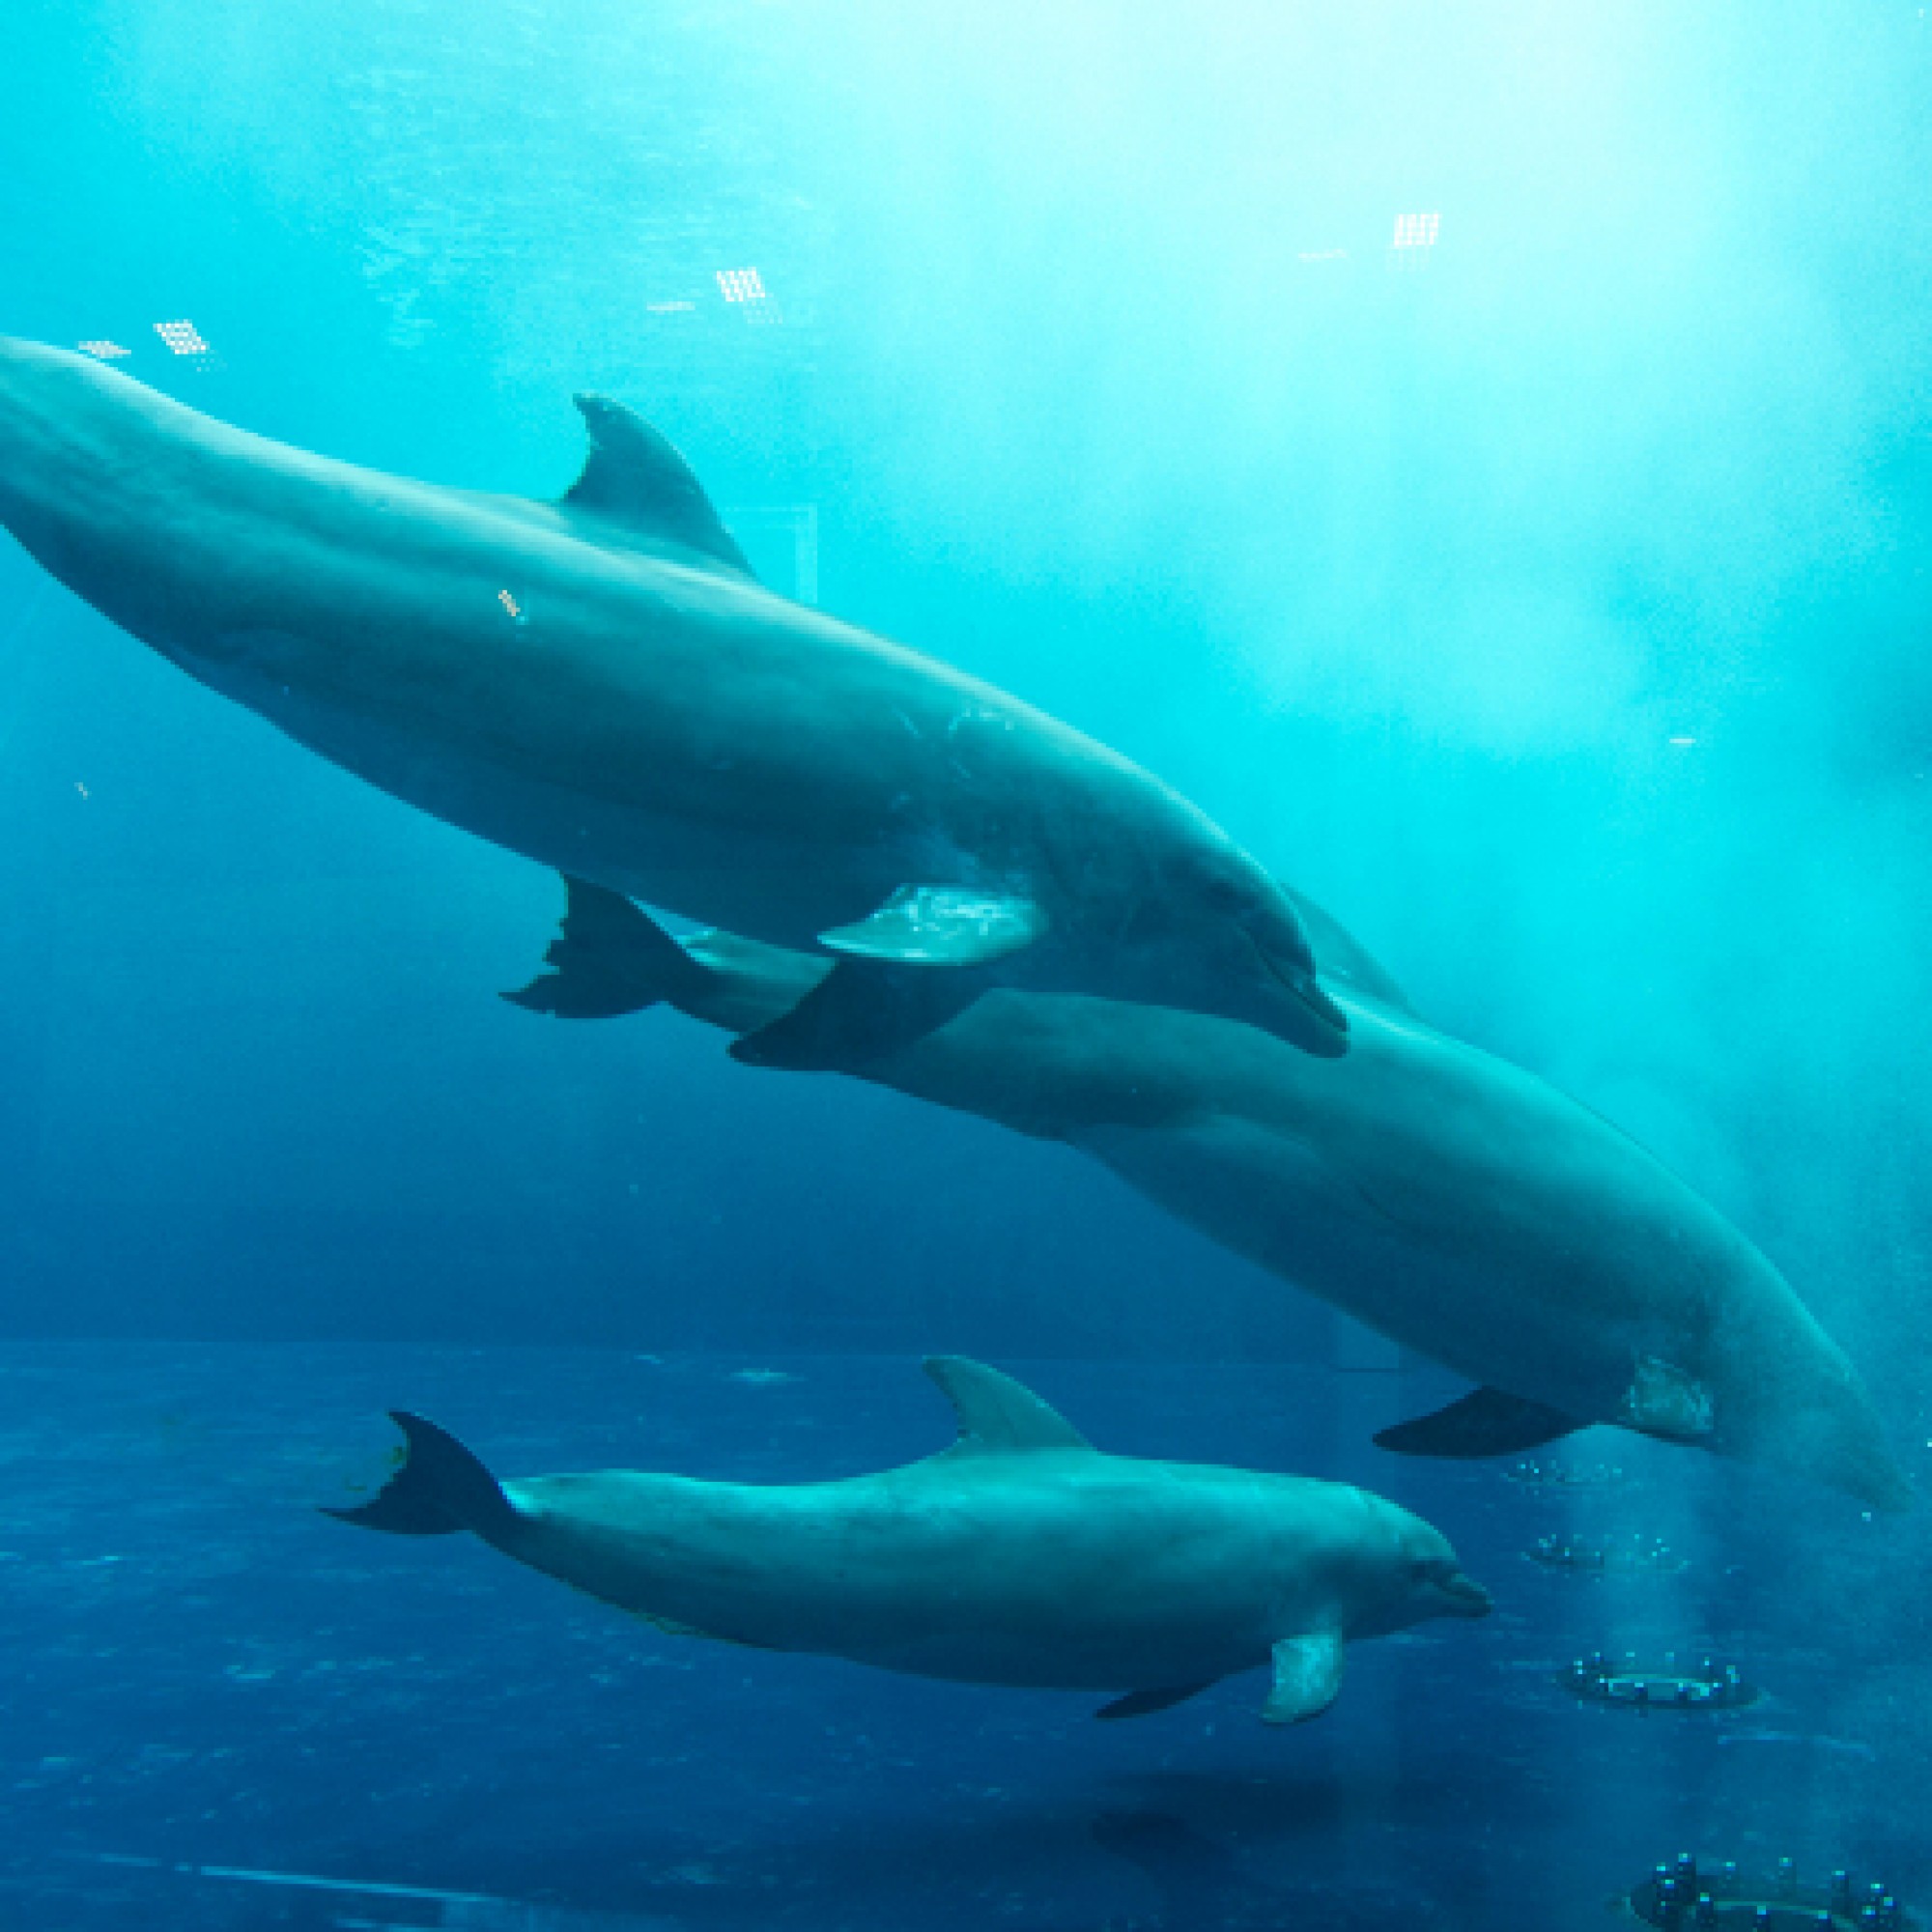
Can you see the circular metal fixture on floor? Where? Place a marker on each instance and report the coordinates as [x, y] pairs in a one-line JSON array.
[[1533, 1474], [1605, 1557], [1683, 1896], [1672, 1685]]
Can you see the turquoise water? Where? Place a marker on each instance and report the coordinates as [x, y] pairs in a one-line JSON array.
[[1482, 459]]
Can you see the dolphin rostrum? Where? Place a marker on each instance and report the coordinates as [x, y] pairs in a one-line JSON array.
[[1022, 1555], [1441, 1196], [601, 683]]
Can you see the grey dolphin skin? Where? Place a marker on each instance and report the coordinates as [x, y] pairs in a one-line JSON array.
[[1022, 1555], [1443, 1197], [602, 685]]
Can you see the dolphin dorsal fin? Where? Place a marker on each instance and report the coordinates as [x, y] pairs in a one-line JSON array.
[[634, 479], [995, 1412]]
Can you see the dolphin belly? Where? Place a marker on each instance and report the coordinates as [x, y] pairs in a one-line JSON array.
[[1288, 1204], [728, 877]]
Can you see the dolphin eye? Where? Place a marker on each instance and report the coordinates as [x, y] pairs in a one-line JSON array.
[[1224, 896]]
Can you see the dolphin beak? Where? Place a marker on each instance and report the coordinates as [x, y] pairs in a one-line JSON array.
[[1315, 1023], [1308, 990], [1312, 1021], [1466, 1597]]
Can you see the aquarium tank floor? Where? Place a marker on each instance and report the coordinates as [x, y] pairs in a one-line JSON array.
[[219, 1708]]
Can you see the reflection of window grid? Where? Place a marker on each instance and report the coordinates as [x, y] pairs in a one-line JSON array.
[[182, 338], [745, 287], [1416, 231], [106, 352]]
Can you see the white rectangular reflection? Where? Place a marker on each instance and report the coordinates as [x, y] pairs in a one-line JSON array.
[[182, 338]]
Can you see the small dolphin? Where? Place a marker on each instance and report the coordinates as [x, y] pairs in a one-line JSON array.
[[1022, 1555], [1448, 1200], [601, 683]]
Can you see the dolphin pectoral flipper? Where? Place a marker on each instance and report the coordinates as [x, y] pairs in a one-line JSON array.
[[859, 1013], [442, 1488], [608, 959], [1484, 1422], [921, 959], [1144, 1703], [941, 925], [1307, 1679]]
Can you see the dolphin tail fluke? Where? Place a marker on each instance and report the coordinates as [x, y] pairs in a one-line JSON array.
[[1484, 1422], [441, 1488], [859, 1013], [608, 959]]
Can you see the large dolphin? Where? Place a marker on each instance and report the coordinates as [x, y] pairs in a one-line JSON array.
[[1448, 1200], [1020, 1555], [601, 683]]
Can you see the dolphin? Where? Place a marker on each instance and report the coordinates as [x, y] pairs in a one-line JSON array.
[[601, 683], [1022, 1555], [1450, 1201]]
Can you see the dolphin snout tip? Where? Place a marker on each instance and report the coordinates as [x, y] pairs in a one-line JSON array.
[[1312, 994], [1317, 1025], [1466, 1597]]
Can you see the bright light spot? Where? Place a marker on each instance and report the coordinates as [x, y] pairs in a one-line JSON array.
[[1416, 231], [107, 351], [182, 338], [82, 789], [509, 603], [745, 287], [1683, 744]]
